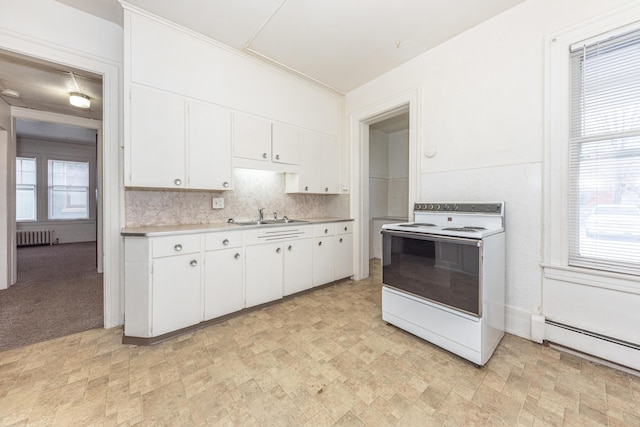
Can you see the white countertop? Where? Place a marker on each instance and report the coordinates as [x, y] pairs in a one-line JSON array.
[[168, 230]]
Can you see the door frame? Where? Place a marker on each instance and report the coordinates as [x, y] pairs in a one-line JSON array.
[[359, 122], [110, 157]]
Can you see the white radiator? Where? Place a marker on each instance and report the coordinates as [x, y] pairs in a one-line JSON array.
[[34, 237]]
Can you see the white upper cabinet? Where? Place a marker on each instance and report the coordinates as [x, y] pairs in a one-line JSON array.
[[251, 137], [209, 146], [319, 165], [175, 142], [260, 143], [156, 142], [285, 144]]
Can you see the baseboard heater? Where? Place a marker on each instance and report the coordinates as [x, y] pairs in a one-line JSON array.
[[612, 349], [34, 237]]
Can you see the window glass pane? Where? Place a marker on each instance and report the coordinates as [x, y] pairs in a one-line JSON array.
[[25, 189], [68, 190], [604, 173]]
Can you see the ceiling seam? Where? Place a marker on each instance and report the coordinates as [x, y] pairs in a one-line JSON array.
[[264, 24]]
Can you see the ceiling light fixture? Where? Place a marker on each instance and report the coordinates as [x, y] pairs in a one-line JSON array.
[[10, 93], [79, 100]]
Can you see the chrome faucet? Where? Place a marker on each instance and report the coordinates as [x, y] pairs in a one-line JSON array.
[[261, 212]]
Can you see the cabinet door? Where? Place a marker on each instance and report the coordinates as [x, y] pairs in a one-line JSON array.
[[156, 139], [251, 137], [263, 273], [310, 162], [330, 171], [285, 144], [176, 301], [323, 260], [209, 146], [298, 266], [344, 256], [223, 290]]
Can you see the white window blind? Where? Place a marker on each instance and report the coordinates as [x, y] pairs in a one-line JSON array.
[[68, 190], [26, 189], [604, 169]]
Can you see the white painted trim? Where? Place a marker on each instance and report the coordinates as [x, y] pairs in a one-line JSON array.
[[601, 348], [113, 190], [359, 139]]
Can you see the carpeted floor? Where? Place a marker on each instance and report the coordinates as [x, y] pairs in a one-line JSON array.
[[58, 293]]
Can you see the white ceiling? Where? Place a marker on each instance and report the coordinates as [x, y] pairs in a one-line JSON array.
[[340, 43], [46, 86]]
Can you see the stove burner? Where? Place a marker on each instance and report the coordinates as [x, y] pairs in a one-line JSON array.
[[465, 228], [417, 224]]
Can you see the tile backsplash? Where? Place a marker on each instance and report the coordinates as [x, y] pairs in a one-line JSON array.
[[252, 190]]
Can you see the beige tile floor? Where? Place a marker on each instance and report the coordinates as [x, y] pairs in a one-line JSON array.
[[321, 359]]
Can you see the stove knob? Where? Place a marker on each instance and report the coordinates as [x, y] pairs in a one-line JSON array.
[[438, 207], [431, 207], [455, 207]]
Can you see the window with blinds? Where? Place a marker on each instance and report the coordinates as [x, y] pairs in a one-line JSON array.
[[604, 153]]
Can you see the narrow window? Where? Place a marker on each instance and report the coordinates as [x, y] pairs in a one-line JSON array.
[[26, 202], [68, 190], [604, 169]]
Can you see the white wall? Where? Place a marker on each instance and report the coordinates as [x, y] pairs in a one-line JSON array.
[[388, 173], [482, 100], [6, 219]]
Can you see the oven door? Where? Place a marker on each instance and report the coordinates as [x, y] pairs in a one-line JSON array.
[[445, 270]]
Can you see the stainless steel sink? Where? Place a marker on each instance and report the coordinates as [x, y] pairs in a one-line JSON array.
[[271, 222]]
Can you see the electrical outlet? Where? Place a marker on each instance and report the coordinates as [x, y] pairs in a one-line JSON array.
[[217, 202]]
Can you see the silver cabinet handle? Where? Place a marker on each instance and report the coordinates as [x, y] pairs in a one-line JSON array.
[[290, 247], [178, 247], [341, 240], [345, 229], [326, 231], [278, 250], [277, 156], [177, 181], [225, 184], [225, 242], [264, 155], [193, 263], [319, 243], [306, 188], [237, 256], [326, 188]]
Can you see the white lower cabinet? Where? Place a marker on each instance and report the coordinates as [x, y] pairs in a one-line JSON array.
[[223, 274], [298, 266], [323, 253], [264, 273], [343, 266], [173, 282], [176, 293], [163, 284]]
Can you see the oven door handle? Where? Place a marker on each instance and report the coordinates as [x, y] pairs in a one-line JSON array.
[[434, 238]]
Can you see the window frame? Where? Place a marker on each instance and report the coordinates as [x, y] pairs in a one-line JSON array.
[[51, 188], [35, 189], [556, 225]]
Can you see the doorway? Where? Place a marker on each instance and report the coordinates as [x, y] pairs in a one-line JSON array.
[[408, 103], [57, 166], [388, 176]]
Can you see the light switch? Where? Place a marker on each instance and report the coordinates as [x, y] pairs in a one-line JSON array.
[[217, 202]]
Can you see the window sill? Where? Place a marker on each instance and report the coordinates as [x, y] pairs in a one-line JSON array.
[[595, 278]]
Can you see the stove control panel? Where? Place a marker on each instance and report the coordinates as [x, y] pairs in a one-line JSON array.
[[486, 208]]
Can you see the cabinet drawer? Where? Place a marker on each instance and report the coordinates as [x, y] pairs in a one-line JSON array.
[[216, 241], [175, 245], [344, 227], [327, 229]]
